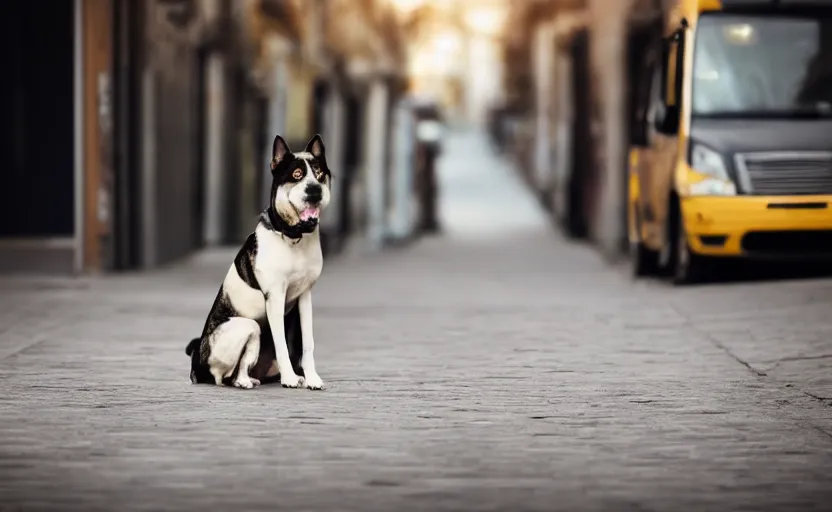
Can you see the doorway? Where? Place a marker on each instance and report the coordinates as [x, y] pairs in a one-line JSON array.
[[36, 135], [581, 172], [37, 144], [640, 38]]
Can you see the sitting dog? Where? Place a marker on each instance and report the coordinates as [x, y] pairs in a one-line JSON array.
[[260, 326]]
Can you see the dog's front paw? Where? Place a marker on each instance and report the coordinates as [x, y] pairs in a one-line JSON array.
[[246, 383], [291, 381], [313, 381]]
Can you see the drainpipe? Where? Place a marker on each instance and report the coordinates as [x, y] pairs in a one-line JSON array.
[[78, 136], [149, 233]]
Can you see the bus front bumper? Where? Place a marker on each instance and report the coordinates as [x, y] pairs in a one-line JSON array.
[[759, 226]]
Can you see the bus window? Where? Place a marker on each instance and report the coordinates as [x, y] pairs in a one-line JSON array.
[[762, 66]]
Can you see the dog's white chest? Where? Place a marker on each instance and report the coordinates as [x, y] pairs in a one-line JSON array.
[[304, 273], [282, 264]]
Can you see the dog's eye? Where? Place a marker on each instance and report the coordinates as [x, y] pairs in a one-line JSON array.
[[320, 175], [297, 174]]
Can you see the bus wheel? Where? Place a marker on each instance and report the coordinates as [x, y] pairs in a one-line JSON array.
[[688, 267], [643, 261]]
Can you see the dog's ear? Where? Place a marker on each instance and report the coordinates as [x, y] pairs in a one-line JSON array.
[[279, 151], [316, 147]]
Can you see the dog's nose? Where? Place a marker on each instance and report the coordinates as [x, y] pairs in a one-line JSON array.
[[314, 193]]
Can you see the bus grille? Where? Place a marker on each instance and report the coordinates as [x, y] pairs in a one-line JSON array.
[[781, 174]]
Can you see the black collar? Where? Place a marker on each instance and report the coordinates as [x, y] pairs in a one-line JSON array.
[[296, 231]]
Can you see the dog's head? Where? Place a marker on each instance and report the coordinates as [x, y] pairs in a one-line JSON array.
[[300, 184]]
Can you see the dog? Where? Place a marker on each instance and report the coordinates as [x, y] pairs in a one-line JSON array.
[[259, 328]]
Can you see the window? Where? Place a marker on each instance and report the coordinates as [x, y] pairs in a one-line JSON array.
[[762, 66]]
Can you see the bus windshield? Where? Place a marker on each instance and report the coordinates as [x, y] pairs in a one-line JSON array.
[[762, 66]]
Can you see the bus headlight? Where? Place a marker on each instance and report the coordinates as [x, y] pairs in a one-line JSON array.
[[710, 176]]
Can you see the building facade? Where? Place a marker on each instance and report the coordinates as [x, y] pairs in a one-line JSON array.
[[579, 57], [141, 131]]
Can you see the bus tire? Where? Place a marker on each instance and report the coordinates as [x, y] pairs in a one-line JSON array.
[[686, 266], [644, 262]]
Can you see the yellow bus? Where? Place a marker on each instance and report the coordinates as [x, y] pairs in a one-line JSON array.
[[731, 140]]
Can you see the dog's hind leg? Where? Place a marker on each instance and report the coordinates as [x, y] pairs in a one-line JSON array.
[[235, 345], [249, 358]]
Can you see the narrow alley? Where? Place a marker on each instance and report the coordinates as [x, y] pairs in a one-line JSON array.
[[495, 367]]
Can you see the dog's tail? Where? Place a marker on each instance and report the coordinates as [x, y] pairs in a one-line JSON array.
[[192, 346]]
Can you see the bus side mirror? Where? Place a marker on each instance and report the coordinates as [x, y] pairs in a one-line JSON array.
[[667, 115]]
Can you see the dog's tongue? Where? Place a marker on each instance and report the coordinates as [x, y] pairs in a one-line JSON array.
[[310, 213]]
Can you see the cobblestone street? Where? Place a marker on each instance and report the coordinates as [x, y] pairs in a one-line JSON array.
[[509, 371]]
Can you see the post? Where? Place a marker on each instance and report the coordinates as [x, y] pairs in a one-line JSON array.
[[376, 142], [402, 222], [148, 159], [277, 113], [215, 213], [543, 49], [608, 55], [334, 139], [97, 55], [563, 149]]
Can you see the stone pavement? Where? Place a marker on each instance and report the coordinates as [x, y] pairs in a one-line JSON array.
[[503, 372]]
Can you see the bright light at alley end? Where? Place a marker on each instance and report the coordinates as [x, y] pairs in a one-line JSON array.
[[710, 174], [406, 6]]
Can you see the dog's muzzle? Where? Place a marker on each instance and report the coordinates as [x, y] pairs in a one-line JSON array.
[[314, 196]]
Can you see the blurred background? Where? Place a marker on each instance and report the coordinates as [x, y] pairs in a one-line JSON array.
[[138, 132]]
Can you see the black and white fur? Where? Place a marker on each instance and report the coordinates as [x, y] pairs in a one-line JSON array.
[[260, 326]]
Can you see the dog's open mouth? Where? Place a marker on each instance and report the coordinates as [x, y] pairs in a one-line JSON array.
[[310, 213]]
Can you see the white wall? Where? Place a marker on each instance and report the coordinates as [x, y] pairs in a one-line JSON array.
[[483, 80]]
